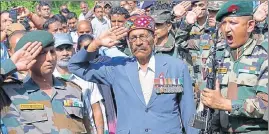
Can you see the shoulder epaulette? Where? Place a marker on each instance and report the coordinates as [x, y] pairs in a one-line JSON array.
[[264, 45]]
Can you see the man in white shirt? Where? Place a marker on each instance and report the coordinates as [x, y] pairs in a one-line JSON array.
[[90, 91], [85, 12], [99, 23]]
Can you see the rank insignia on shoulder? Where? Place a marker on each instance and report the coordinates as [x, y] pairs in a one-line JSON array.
[[73, 102], [31, 106], [168, 85]]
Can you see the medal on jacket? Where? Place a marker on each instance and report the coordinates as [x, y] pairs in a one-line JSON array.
[[167, 85]]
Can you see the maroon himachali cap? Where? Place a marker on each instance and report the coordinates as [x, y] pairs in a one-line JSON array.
[[140, 22]]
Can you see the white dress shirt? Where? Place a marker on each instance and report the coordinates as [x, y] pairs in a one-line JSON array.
[[147, 79], [99, 26]]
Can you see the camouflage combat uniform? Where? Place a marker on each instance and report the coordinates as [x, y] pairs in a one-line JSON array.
[[189, 38], [244, 81], [170, 47], [195, 43], [260, 32], [31, 111], [7, 68]]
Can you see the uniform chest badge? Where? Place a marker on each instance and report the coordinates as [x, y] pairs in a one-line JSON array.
[[73, 102]]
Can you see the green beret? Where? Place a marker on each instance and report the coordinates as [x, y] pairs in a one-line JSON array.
[[44, 37], [235, 8]]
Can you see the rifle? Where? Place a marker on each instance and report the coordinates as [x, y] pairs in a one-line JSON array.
[[203, 120]]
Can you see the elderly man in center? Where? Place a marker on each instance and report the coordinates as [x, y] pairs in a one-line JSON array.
[[149, 89]]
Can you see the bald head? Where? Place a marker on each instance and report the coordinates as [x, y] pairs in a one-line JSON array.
[[84, 27], [13, 40]]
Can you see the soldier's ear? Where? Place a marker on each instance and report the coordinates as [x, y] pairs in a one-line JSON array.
[[251, 26]]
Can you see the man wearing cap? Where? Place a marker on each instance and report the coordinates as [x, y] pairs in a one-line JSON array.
[[43, 103], [22, 60], [241, 90], [107, 8], [91, 95], [148, 88], [164, 33]]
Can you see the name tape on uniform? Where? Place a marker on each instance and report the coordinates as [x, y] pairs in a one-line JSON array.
[[31, 106], [206, 47], [219, 70]]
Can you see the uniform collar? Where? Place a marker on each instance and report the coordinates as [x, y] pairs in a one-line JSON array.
[[30, 86], [249, 47], [151, 64], [201, 28], [247, 50], [169, 45]]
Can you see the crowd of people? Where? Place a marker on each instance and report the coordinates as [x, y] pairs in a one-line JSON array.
[[132, 67]]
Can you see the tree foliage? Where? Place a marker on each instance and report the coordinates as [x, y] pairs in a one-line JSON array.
[[73, 6]]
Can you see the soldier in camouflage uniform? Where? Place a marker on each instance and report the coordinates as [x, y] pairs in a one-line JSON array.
[[188, 36], [205, 44], [164, 33], [20, 61], [241, 90], [43, 103]]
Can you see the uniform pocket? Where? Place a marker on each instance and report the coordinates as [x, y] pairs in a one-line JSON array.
[[247, 79], [74, 112], [75, 122], [34, 116]]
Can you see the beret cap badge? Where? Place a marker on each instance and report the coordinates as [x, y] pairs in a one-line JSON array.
[[233, 9]]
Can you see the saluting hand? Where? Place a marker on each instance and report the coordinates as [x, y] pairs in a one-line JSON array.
[[191, 16], [24, 58], [261, 12], [214, 99], [181, 8], [112, 36]]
